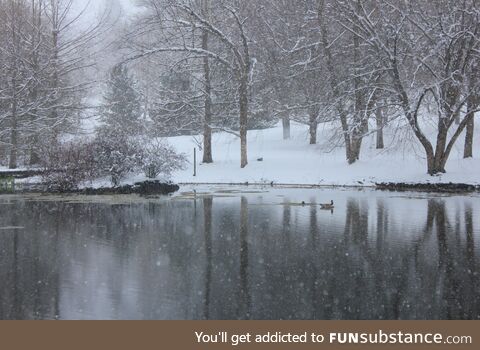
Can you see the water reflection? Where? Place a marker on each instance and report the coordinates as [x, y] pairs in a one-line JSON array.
[[207, 225], [244, 290], [255, 256]]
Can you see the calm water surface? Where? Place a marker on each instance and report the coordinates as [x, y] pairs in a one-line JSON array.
[[240, 254]]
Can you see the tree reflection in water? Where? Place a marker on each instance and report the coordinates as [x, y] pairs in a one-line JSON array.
[[246, 257]]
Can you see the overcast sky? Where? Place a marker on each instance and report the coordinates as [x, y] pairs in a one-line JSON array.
[[96, 7]]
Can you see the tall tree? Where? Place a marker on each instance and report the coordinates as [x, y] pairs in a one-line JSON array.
[[43, 50], [17, 76], [207, 117], [71, 44], [232, 50], [428, 51], [121, 113]]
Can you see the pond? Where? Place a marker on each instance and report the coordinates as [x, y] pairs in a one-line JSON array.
[[240, 253]]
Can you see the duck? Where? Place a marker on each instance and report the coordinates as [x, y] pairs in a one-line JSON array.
[[327, 205]]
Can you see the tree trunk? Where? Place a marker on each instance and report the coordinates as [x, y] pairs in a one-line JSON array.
[[313, 125], [36, 38], [432, 168], [55, 68], [3, 152], [360, 124], [34, 156], [356, 145], [333, 80], [12, 164], [472, 104], [438, 162], [439, 158], [380, 123], [243, 96], [468, 149], [356, 138], [207, 118], [286, 126], [436, 165]]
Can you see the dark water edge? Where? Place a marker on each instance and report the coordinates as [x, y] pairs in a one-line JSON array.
[[458, 188], [156, 187], [20, 174], [142, 188], [153, 187], [240, 254]]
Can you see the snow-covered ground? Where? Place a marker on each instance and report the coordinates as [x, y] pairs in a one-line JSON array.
[[294, 161]]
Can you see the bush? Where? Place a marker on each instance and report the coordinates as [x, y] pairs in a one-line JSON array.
[[66, 165], [160, 158], [117, 155]]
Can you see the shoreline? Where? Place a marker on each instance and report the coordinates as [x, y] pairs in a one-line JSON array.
[[155, 187], [447, 187]]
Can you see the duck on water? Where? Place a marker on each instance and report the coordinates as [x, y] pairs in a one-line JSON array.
[[327, 205], [324, 205]]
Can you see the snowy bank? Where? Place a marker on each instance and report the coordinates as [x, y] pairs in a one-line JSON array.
[[294, 161]]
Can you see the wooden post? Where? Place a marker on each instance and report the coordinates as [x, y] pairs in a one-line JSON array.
[[194, 161]]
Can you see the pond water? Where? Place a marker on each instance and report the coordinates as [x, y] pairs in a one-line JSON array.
[[240, 254]]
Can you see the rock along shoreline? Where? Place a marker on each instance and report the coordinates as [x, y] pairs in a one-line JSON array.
[[155, 187], [428, 187], [141, 188]]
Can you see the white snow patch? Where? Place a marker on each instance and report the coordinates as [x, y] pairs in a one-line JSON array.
[[294, 161]]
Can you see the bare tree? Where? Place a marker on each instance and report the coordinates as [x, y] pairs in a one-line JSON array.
[[70, 57], [12, 25], [428, 51], [182, 18], [295, 67], [360, 82], [207, 119], [44, 54]]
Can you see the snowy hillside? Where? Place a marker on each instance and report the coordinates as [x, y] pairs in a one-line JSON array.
[[294, 161]]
